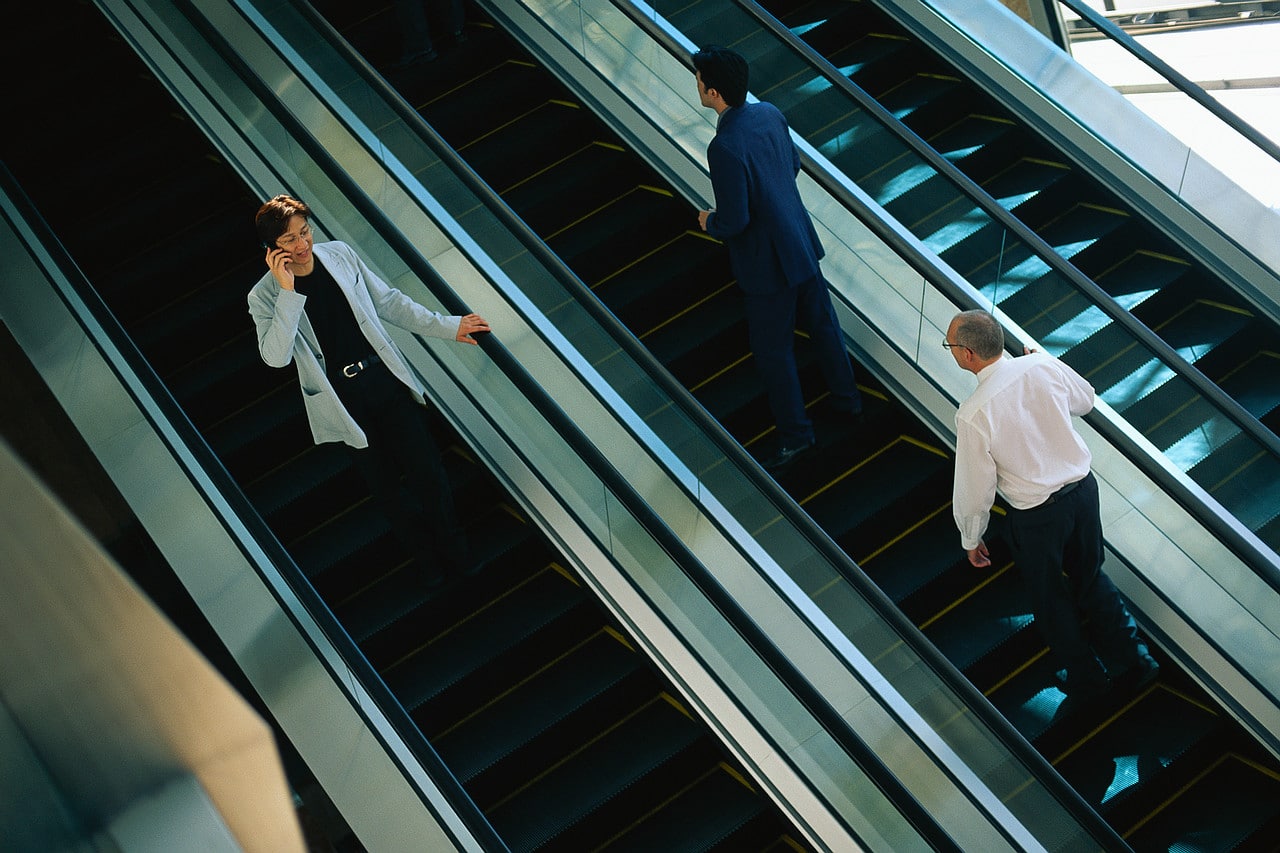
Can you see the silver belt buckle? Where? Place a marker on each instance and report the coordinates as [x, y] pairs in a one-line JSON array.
[[351, 371]]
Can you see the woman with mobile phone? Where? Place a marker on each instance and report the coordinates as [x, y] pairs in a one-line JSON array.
[[321, 308]]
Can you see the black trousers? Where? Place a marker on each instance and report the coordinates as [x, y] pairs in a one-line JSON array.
[[1057, 548], [422, 515]]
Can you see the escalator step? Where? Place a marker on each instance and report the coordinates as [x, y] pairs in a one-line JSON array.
[[1253, 379], [890, 467], [605, 782], [1244, 799], [594, 177], [542, 132], [717, 812], [483, 645], [642, 216], [682, 275], [499, 732], [453, 114]]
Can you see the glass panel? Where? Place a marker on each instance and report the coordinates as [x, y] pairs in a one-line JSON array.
[[1233, 61]]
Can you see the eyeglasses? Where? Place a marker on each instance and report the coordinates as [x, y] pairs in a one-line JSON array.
[[950, 345], [290, 240]]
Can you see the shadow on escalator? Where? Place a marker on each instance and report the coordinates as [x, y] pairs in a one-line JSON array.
[[562, 734], [1158, 765]]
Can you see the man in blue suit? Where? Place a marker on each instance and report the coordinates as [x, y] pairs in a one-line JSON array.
[[773, 249]]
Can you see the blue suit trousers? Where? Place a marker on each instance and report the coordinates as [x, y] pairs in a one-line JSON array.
[[771, 323]]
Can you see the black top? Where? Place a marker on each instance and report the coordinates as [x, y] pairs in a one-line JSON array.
[[331, 317]]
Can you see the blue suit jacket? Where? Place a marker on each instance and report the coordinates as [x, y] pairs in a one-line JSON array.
[[758, 214]]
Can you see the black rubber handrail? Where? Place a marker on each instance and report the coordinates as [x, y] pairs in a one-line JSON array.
[[731, 448], [830, 717], [1260, 560], [1179, 80]]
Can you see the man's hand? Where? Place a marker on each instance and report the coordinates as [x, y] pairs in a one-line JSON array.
[[979, 557], [471, 323], [702, 219]]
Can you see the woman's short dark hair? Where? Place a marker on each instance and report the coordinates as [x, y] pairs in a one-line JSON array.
[[725, 71], [273, 217]]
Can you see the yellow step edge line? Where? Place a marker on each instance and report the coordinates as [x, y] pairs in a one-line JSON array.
[[721, 372], [970, 594], [477, 78], [547, 168], [904, 534], [991, 118], [509, 122], [1161, 256], [617, 200], [861, 463], [675, 795], [1222, 306], [472, 615], [1218, 485], [1173, 798], [1089, 735], [902, 439], [517, 685], [993, 689], [581, 748], [703, 301], [1040, 161]]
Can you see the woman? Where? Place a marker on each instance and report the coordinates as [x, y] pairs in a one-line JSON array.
[[323, 309]]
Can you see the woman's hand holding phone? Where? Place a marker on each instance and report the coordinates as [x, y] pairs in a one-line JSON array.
[[278, 262]]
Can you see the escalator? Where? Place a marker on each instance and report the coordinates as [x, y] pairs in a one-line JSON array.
[[563, 736], [1168, 756], [1193, 309]]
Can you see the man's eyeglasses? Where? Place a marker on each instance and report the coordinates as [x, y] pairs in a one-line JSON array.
[[950, 345]]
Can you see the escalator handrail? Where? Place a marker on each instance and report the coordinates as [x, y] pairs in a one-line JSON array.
[[811, 696], [1243, 545], [729, 446], [209, 467], [1177, 79]]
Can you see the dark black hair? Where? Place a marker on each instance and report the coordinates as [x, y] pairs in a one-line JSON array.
[[725, 71]]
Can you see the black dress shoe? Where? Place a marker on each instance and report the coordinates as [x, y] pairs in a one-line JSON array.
[[1138, 675], [1083, 689], [409, 60], [785, 456], [852, 417]]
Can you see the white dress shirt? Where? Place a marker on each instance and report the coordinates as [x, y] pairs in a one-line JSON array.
[[1014, 433]]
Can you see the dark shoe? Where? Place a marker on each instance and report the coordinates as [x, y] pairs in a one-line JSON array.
[[786, 455], [1139, 674], [411, 59], [853, 417], [460, 37], [1081, 690]]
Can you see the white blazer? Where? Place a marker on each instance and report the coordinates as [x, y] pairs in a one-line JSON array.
[[285, 335]]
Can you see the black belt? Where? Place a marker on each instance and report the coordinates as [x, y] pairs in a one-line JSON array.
[[1064, 491], [351, 371]]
